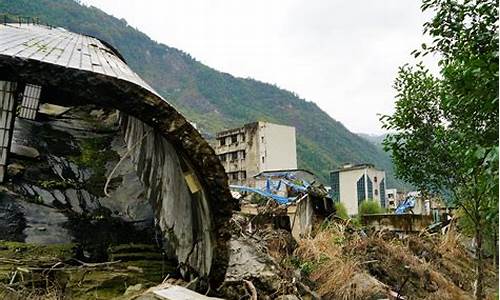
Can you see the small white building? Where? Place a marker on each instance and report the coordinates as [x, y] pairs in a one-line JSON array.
[[352, 184], [393, 198], [254, 148]]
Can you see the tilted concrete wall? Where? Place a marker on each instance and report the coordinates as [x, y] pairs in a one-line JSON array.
[[82, 87], [181, 213], [279, 147]]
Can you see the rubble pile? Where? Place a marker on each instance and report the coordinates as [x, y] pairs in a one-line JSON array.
[[259, 247]]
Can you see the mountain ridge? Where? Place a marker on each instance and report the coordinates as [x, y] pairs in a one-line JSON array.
[[214, 100]]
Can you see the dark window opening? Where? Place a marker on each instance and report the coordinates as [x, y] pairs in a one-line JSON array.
[[370, 187], [360, 185], [382, 192], [335, 182]]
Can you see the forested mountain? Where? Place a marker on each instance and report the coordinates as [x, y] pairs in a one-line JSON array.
[[375, 139], [212, 99]]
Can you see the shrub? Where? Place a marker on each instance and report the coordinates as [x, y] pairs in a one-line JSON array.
[[370, 207], [341, 211], [258, 199]]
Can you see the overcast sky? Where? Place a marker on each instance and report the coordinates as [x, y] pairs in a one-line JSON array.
[[341, 54]]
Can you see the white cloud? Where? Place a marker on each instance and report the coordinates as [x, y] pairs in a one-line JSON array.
[[343, 55]]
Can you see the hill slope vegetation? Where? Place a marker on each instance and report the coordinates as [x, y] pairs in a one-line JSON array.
[[212, 99]]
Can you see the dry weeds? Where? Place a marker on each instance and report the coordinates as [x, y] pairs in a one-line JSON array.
[[349, 266]]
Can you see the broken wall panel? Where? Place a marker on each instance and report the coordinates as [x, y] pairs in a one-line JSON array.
[[172, 187], [31, 101], [7, 106]]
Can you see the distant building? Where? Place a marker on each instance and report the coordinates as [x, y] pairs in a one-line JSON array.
[[393, 197], [353, 184], [254, 148]]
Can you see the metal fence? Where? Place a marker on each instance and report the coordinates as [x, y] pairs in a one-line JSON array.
[[13, 20]]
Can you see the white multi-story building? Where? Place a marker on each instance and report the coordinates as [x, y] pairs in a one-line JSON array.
[[254, 148], [353, 184]]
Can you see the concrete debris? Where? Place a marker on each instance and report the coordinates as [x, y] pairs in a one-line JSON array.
[[247, 262], [24, 151], [181, 293], [15, 169], [287, 297], [133, 288], [53, 110]]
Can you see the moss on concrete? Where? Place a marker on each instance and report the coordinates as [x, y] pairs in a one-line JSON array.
[[94, 155], [56, 184], [81, 283], [32, 252]]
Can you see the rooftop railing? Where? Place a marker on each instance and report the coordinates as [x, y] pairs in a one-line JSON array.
[[12, 20]]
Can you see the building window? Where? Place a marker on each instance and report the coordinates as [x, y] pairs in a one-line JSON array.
[[360, 185], [232, 176], [234, 156], [335, 183], [222, 141], [375, 179], [222, 157], [234, 139], [262, 139], [382, 192], [243, 155], [376, 192], [242, 137], [370, 187], [243, 175], [263, 159], [29, 105]]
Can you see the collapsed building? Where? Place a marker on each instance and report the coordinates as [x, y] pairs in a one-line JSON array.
[[183, 179], [254, 148]]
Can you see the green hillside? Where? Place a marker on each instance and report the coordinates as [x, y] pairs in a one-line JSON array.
[[212, 99], [375, 139]]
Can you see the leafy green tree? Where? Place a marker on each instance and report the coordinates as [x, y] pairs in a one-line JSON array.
[[447, 125], [370, 207]]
